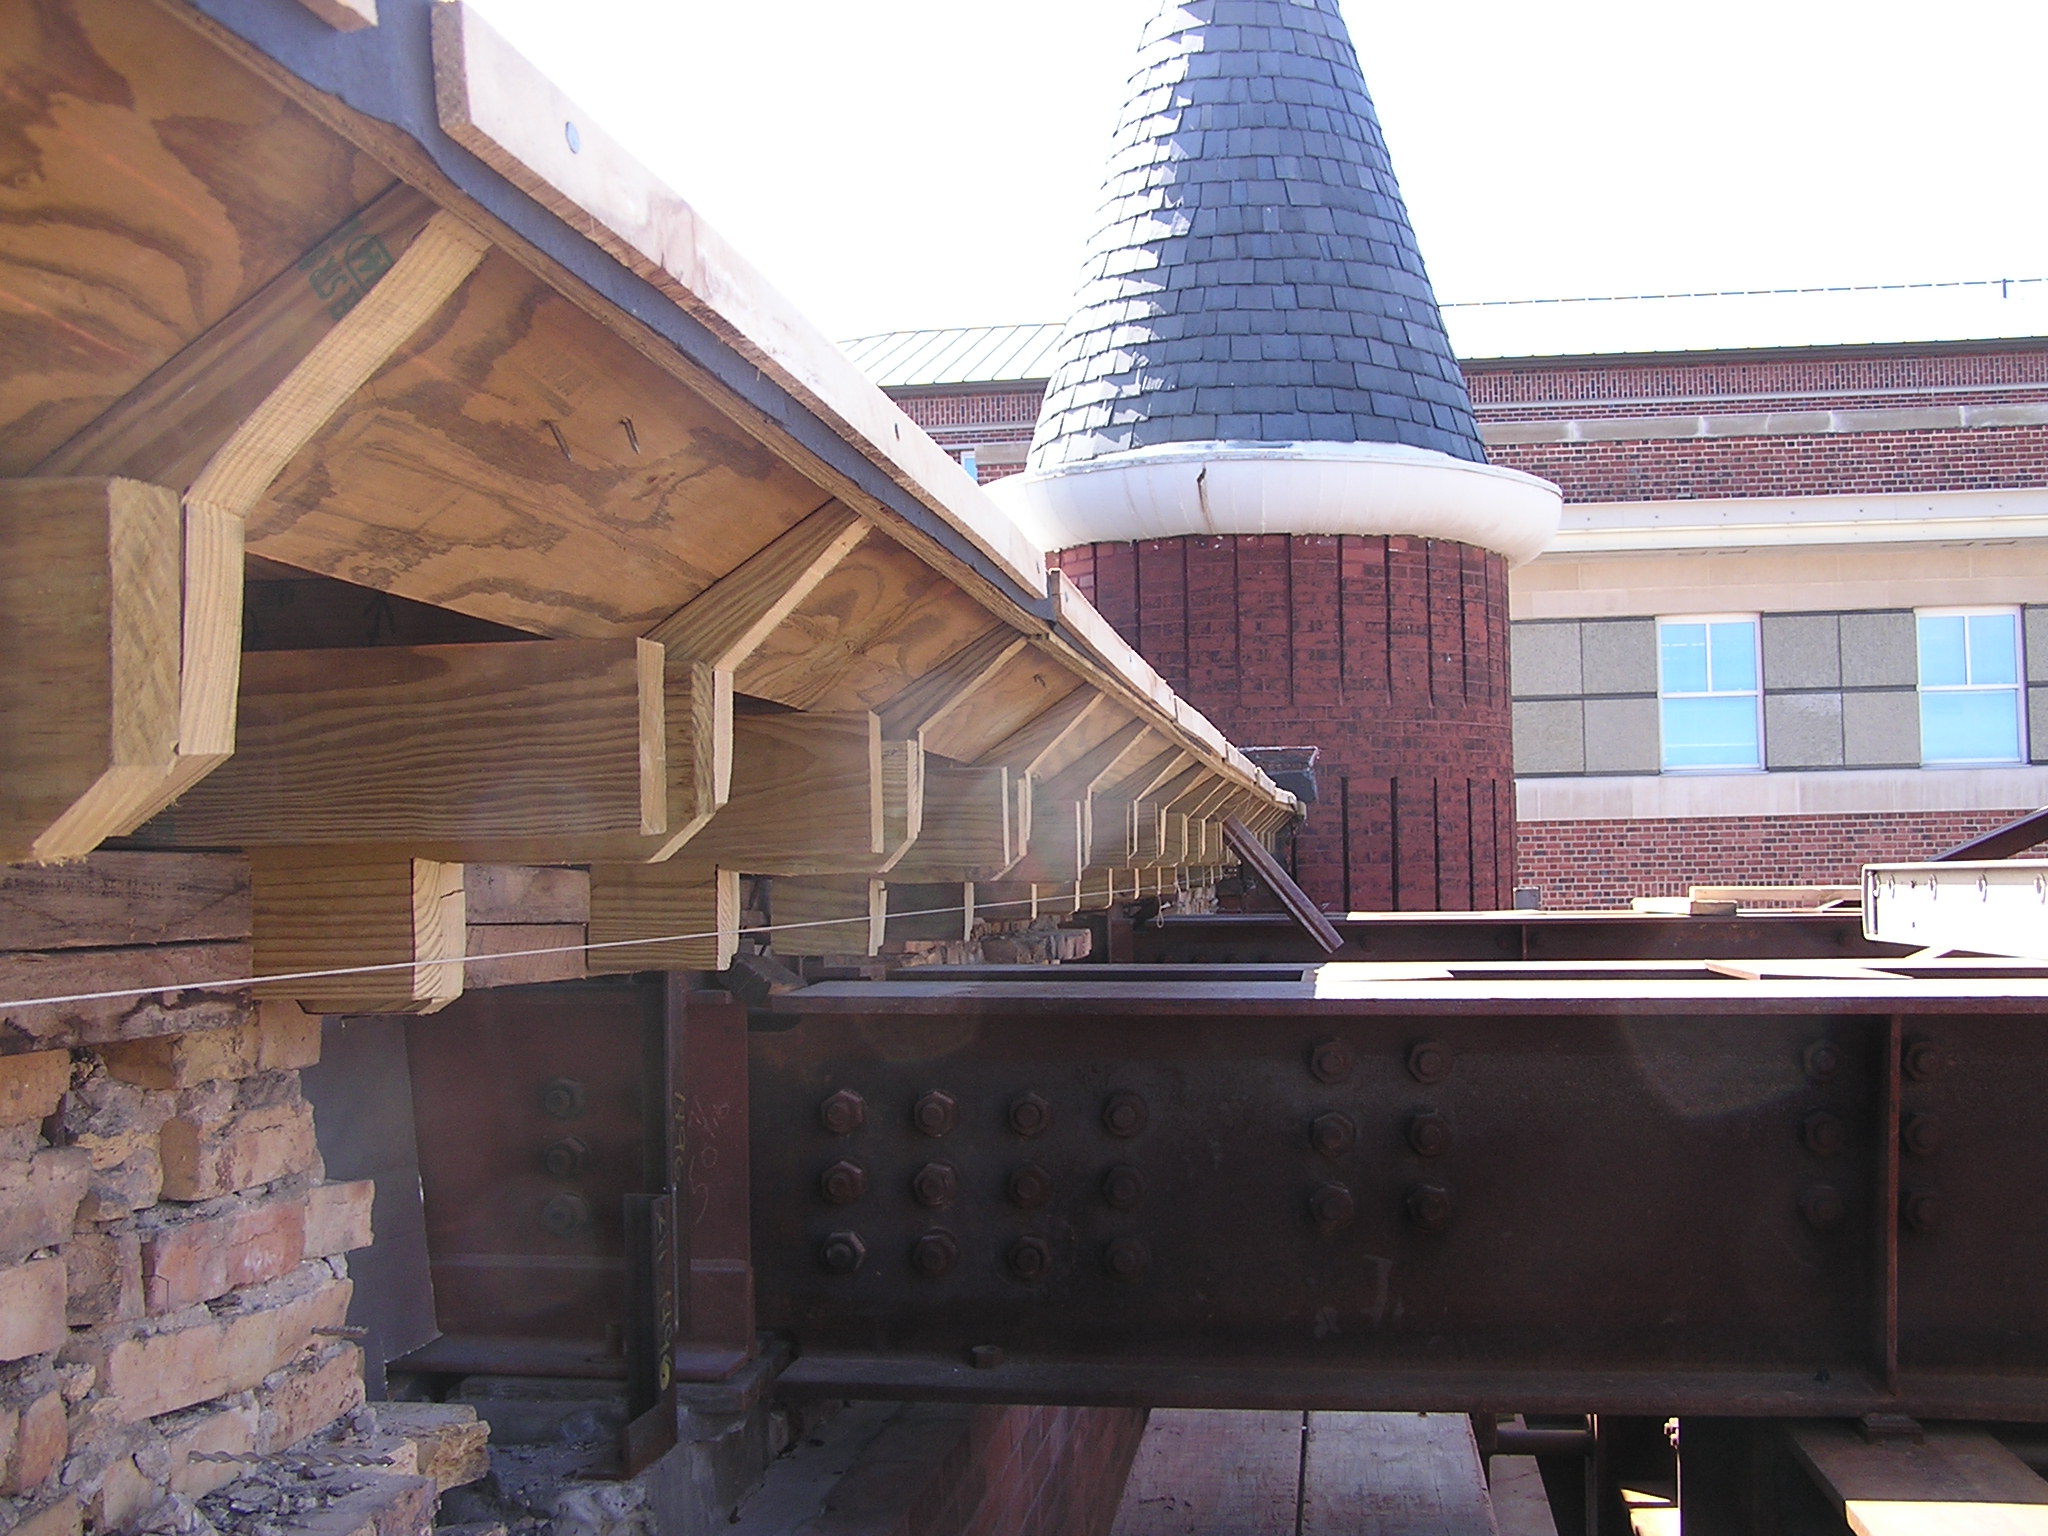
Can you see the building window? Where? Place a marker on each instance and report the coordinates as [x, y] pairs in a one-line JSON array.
[[1709, 711], [1970, 686]]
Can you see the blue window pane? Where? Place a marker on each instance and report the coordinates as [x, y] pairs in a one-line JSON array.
[[1684, 649], [1941, 652], [1734, 657], [1710, 733], [1993, 655], [1970, 727]]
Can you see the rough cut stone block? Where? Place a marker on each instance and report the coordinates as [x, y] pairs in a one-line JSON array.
[[207, 1158], [308, 1395], [204, 1255], [34, 1436], [452, 1443], [338, 1217], [281, 1036], [103, 1277], [32, 1309], [39, 1200], [227, 1428], [366, 1504], [31, 1085], [60, 1516], [153, 1366]]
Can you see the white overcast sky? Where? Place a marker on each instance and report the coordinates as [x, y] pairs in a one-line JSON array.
[[896, 164]]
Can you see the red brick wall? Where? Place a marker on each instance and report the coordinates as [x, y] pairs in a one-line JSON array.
[[1498, 385], [1596, 864], [1031, 1472], [1390, 654]]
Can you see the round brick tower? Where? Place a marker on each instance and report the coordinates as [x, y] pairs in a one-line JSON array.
[[1257, 455]]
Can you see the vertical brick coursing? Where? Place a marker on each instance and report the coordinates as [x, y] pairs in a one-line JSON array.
[[1601, 864], [1388, 653]]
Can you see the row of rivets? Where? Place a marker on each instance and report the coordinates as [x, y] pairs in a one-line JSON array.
[[936, 1254], [1124, 1114], [1332, 1207], [937, 1185], [1333, 1134], [1331, 1061]]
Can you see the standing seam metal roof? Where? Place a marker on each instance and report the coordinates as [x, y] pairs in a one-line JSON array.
[[1254, 277]]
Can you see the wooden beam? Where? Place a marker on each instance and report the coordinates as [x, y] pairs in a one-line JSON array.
[[1058, 848], [1113, 833], [89, 626], [927, 702], [806, 799], [1308, 917], [832, 914], [1027, 748], [904, 784], [939, 910], [1008, 699], [333, 908], [725, 624], [969, 832], [632, 903], [1955, 1481], [455, 749]]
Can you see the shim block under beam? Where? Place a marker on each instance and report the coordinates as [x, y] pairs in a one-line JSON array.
[[89, 632], [320, 909], [455, 746], [806, 796], [828, 915], [969, 831], [691, 906]]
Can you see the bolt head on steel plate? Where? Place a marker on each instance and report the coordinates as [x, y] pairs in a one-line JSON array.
[[936, 1114], [1429, 1133], [1123, 1186], [1030, 1258], [843, 1113], [1822, 1060], [934, 1254], [1921, 1134], [1125, 1258], [1822, 1207], [1329, 1061], [565, 1159], [1824, 1134], [1922, 1210], [842, 1253], [565, 1214], [1333, 1134], [1429, 1061], [562, 1098], [1125, 1114], [1331, 1207], [1922, 1060], [843, 1183], [1030, 1114], [935, 1185], [1030, 1187], [1429, 1207]]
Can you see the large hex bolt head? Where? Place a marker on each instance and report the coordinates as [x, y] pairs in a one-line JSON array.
[[1123, 1186], [1030, 1114], [1824, 1134], [1921, 1135], [1922, 1060], [1329, 1061], [843, 1183], [1429, 1207], [1822, 1060], [843, 1113], [562, 1098], [936, 1114], [842, 1253], [935, 1254], [935, 1185], [1125, 1258], [1331, 1207], [1429, 1061], [1922, 1209], [1125, 1114], [1333, 1134], [1822, 1207], [567, 1158], [565, 1215], [1030, 1258], [1030, 1187], [1429, 1133]]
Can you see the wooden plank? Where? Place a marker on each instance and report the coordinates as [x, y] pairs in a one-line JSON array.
[[903, 801], [693, 904], [331, 908], [806, 798], [517, 940], [344, 15], [28, 1025], [1393, 1474], [946, 688], [1020, 690], [110, 899], [1116, 754], [526, 893], [1026, 749], [89, 623], [1113, 829], [451, 746], [968, 831], [1058, 847], [931, 910], [1214, 1472], [726, 623], [828, 915], [1308, 917], [1955, 1482]]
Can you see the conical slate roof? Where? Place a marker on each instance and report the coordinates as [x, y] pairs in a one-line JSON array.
[[1255, 278]]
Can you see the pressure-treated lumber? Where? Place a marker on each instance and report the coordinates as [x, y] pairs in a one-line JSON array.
[[1308, 917], [691, 907], [942, 910], [828, 915], [1058, 847], [969, 831], [89, 625], [114, 898], [806, 797], [1026, 749], [1411, 1472], [1113, 814], [947, 688], [727, 622], [452, 746], [1214, 1471], [1954, 1482], [904, 784], [320, 909]]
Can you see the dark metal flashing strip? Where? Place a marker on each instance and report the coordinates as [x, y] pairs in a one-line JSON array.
[[386, 72]]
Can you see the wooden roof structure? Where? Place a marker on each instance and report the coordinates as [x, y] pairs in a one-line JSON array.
[[399, 478]]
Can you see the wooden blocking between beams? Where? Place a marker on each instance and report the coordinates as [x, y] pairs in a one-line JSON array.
[[806, 799], [828, 915], [319, 909], [969, 830], [89, 627], [930, 910], [1058, 847], [692, 906], [442, 745], [725, 623]]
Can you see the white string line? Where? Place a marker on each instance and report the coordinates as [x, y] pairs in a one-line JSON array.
[[2003, 284], [511, 954]]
